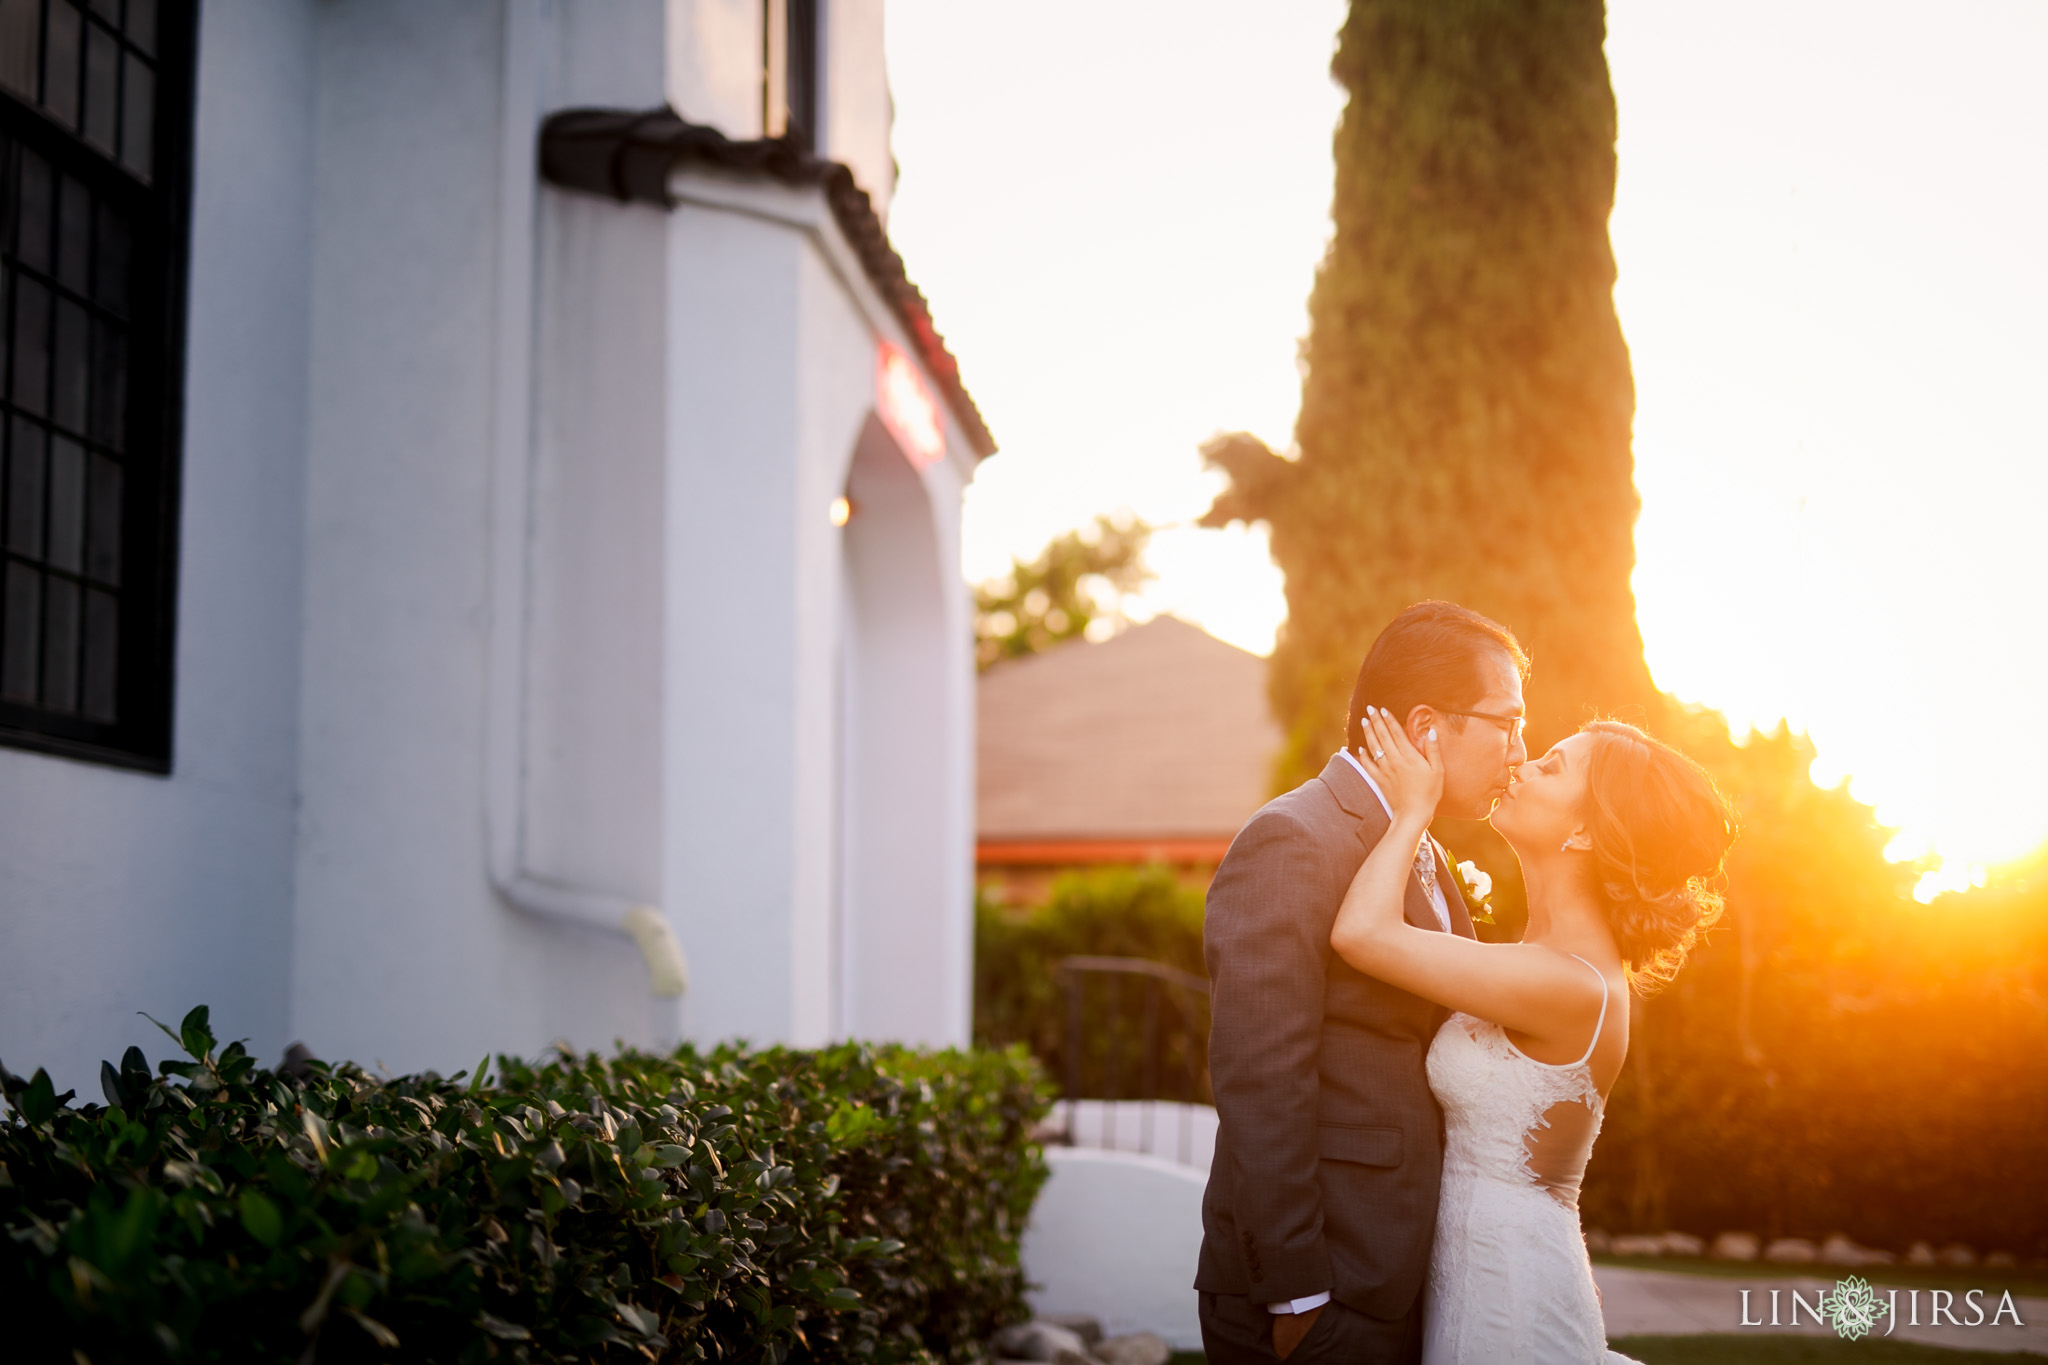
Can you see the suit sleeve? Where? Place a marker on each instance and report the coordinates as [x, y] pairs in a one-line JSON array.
[[1266, 936]]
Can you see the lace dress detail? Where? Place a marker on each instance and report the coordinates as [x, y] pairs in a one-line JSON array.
[[1509, 1282]]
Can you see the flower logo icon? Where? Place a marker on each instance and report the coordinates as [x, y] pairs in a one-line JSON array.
[[1853, 1308]]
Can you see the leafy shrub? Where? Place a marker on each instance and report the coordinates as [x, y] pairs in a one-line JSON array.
[[1118, 912], [841, 1204]]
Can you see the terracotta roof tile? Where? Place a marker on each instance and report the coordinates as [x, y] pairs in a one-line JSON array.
[[1160, 732]]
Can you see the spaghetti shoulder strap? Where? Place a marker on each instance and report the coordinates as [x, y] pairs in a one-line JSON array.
[[1599, 1023]]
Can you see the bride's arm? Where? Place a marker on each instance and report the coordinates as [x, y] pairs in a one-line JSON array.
[[1521, 986]]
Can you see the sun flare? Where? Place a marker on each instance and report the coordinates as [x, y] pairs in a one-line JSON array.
[[1829, 283]]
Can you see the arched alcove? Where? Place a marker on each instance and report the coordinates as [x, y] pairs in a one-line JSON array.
[[898, 928]]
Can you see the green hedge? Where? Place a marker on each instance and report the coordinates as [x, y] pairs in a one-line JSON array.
[[852, 1203], [1142, 912]]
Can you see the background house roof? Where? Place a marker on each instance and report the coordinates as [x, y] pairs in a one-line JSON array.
[[1159, 733]]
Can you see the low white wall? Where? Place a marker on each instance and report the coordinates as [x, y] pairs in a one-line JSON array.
[[1116, 1235], [1180, 1133]]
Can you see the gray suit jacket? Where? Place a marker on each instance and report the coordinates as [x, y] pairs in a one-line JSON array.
[[1330, 1148]]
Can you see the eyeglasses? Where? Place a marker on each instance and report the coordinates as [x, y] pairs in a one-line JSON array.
[[1512, 724]]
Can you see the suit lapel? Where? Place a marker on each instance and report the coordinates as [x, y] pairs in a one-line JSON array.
[[1454, 896], [1358, 801]]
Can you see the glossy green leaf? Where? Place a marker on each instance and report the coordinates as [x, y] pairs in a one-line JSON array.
[[379, 1333], [135, 1072], [260, 1217], [501, 1329], [195, 1035], [131, 1229], [38, 1103], [316, 1132], [112, 1087]]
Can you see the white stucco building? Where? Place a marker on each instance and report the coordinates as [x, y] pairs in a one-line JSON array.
[[446, 535]]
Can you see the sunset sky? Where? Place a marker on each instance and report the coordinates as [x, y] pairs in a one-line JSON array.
[[1828, 227]]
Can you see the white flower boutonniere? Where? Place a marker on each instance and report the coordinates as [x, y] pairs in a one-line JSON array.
[[1477, 889]]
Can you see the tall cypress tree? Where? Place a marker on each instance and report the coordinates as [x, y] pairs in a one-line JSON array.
[[1464, 433], [1465, 421]]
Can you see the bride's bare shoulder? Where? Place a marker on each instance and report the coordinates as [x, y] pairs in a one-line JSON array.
[[1585, 1007]]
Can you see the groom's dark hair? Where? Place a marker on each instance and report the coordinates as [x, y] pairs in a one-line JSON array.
[[1429, 655]]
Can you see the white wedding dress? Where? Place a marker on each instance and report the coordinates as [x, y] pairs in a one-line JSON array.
[[1509, 1282]]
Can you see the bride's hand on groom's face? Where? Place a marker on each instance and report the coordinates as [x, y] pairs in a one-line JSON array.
[[1412, 779]]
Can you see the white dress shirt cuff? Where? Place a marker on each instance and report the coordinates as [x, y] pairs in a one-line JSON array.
[[1299, 1305]]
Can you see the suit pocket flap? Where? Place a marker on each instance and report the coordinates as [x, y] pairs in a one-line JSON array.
[[1366, 1146]]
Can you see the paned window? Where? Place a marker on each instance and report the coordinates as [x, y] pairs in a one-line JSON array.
[[95, 115]]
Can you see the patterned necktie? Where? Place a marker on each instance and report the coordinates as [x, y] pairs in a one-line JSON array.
[[1425, 868]]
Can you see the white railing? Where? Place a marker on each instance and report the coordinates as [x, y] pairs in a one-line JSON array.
[[1184, 1134]]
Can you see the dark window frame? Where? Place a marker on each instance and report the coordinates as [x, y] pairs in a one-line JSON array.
[[158, 210], [792, 47], [801, 52]]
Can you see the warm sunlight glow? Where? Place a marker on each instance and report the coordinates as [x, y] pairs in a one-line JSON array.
[[1827, 227], [1832, 291], [1120, 252]]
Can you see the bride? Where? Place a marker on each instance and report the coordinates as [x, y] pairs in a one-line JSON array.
[[1619, 836]]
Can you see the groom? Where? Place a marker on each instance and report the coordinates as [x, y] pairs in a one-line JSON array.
[[1322, 1197]]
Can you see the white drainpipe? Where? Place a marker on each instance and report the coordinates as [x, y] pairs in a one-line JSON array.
[[511, 530]]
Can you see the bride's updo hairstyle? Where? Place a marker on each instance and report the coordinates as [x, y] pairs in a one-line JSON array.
[[1660, 830]]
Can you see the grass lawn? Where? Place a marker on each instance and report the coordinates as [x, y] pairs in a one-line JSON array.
[[1728, 1348], [2019, 1281]]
